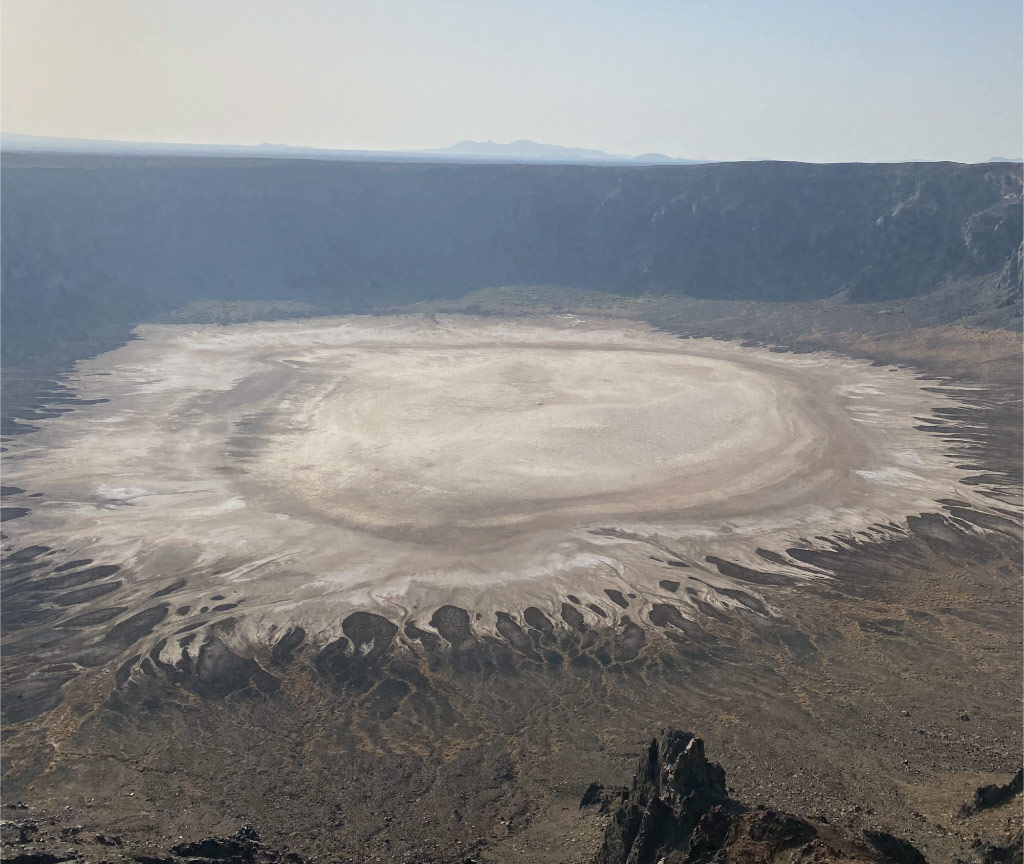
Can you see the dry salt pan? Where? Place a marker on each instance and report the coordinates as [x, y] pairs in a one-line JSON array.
[[400, 463]]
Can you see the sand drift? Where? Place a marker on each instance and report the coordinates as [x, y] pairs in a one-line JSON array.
[[291, 472]]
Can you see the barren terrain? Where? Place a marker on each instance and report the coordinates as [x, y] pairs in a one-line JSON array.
[[817, 566], [544, 459]]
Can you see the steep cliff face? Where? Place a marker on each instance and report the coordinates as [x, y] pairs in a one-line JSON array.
[[91, 241]]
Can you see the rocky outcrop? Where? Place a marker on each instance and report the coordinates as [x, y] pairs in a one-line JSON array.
[[894, 849], [994, 795], [42, 841], [674, 787], [1009, 852], [678, 811]]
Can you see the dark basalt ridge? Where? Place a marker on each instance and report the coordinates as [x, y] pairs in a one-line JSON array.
[[678, 810]]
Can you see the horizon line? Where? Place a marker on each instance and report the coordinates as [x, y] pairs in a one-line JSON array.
[[62, 143]]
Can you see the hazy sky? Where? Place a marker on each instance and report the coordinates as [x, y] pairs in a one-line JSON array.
[[811, 80]]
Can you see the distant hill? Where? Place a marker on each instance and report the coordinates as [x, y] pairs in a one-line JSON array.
[[530, 151], [464, 151]]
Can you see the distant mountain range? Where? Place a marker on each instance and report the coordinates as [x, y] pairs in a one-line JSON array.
[[531, 151], [464, 151], [521, 151]]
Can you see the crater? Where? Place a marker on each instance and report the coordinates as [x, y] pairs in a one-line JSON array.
[[394, 464]]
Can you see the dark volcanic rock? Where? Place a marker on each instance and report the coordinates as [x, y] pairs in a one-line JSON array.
[[515, 634], [240, 848], [84, 595], [992, 795], [368, 632], [894, 849], [71, 565], [452, 623], [746, 574], [133, 628], [617, 598], [353, 660], [1011, 852], [428, 640], [18, 833], [47, 843], [678, 811], [573, 617], [537, 619], [170, 589], [673, 788], [284, 649], [629, 639], [94, 616], [27, 554], [219, 673], [595, 796], [72, 580]]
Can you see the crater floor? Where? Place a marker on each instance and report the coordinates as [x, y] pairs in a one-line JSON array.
[[297, 470]]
